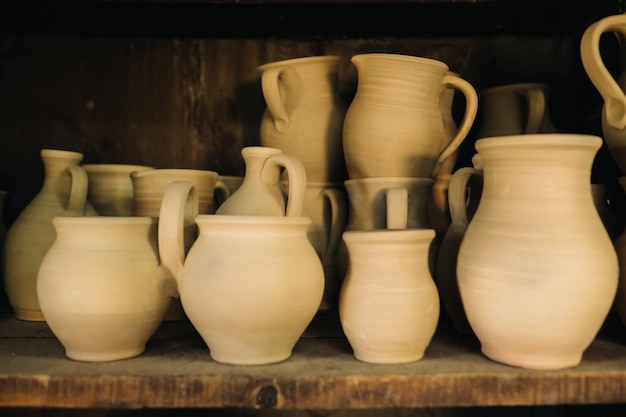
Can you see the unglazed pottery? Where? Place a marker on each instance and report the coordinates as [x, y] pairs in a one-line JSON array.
[[394, 126], [304, 114], [463, 196], [106, 282], [260, 193], [64, 193], [251, 285], [620, 248], [110, 188], [612, 89], [231, 184], [515, 109], [389, 306], [537, 271]]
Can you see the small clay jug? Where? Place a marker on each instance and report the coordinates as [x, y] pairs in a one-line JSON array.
[[537, 271], [106, 282], [304, 114], [260, 193], [64, 193], [110, 188]]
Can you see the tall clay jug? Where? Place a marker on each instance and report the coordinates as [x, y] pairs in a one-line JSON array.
[[64, 193], [537, 271], [611, 89], [260, 193], [394, 126], [304, 114]]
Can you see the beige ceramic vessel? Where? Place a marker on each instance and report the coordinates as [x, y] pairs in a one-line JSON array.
[[304, 114], [389, 306], [106, 282], [537, 271], [63, 193], [620, 248], [394, 125]]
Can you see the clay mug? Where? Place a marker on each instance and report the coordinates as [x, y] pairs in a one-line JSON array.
[[63, 193], [612, 89], [110, 188], [515, 109], [394, 126], [537, 271], [106, 282], [304, 114]]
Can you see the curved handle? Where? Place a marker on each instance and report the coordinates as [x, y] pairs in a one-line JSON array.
[[338, 219], [457, 196], [179, 209], [536, 105], [78, 191], [471, 107], [397, 208], [614, 98], [271, 92], [221, 193], [297, 181]]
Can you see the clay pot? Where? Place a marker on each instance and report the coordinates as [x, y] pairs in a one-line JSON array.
[[537, 271]]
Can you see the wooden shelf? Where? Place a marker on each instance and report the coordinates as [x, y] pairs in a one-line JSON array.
[[176, 371]]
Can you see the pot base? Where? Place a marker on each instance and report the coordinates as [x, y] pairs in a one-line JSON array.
[[531, 360], [104, 356], [29, 315]]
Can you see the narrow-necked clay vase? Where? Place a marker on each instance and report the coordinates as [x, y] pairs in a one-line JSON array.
[[515, 109], [64, 193], [394, 126], [389, 306], [537, 271], [251, 285], [612, 89], [110, 188], [304, 114], [106, 282], [261, 193]]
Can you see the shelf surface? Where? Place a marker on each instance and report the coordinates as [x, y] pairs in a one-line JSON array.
[[176, 371]]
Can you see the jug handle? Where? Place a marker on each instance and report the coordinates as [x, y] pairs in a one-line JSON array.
[[297, 181], [179, 209], [536, 100], [471, 108], [338, 219], [614, 98], [78, 191], [397, 208], [273, 100], [462, 208]]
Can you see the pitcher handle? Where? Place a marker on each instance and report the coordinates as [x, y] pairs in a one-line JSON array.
[[536, 99], [614, 98], [297, 181], [462, 211], [338, 219], [179, 209], [397, 208], [78, 191], [273, 100], [471, 108]]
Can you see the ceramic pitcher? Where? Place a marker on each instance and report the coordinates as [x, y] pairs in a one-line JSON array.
[[110, 188], [260, 193], [63, 193], [515, 109], [612, 89], [394, 126], [304, 114], [389, 306], [106, 282], [537, 271]]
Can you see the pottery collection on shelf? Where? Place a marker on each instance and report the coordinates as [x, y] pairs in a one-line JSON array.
[[355, 209]]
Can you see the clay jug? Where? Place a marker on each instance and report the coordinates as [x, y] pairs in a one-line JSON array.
[[537, 271], [110, 188], [251, 285], [260, 193], [106, 282], [463, 196], [389, 306], [611, 89], [63, 193], [515, 109], [394, 126], [304, 114], [231, 184]]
